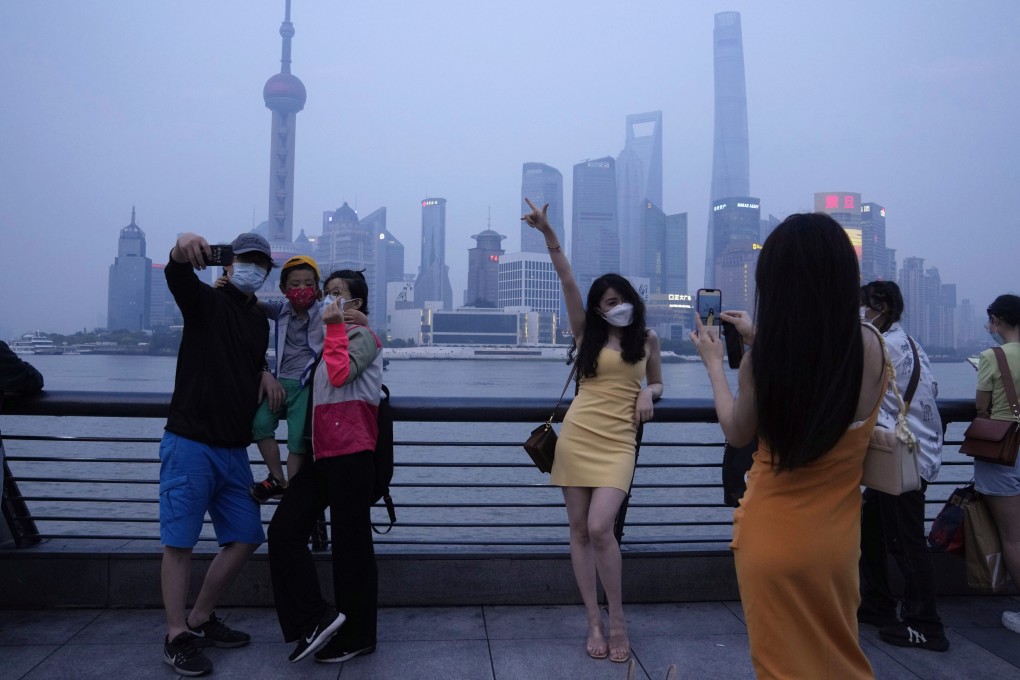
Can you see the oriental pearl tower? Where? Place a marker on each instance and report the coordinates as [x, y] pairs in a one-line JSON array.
[[284, 95]]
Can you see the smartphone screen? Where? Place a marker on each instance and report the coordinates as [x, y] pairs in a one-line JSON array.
[[709, 305], [221, 255]]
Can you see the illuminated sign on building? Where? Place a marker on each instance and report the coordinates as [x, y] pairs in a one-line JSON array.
[[493, 258], [426, 204], [857, 239]]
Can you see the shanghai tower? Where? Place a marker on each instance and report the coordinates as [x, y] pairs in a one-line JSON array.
[[731, 174]]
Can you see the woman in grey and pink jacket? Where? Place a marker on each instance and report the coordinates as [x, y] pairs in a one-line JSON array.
[[346, 389]]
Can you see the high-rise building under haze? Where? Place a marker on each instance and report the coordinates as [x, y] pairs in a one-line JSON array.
[[284, 95], [877, 261], [483, 269], [129, 294], [433, 282], [638, 180], [595, 241], [731, 173], [737, 223], [542, 184]]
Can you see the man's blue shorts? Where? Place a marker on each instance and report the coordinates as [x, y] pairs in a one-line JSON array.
[[195, 478]]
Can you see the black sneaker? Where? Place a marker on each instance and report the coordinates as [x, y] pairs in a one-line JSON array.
[[268, 488], [214, 633], [185, 656], [335, 653], [320, 635], [902, 635]]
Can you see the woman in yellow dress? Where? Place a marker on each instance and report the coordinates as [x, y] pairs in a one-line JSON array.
[[811, 394], [595, 454]]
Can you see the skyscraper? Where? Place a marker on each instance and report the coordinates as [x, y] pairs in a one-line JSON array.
[[665, 251], [737, 223], [638, 180], [284, 95], [876, 260], [595, 242], [433, 282], [542, 184], [483, 269], [731, 173], [389, 265], [130, 283]]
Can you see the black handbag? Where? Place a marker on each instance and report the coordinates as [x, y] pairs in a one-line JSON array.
[[541, 445], [996, 441]]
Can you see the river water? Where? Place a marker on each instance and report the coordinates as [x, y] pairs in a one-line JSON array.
[[693, 511]]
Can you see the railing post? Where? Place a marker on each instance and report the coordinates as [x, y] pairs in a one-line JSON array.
[[17, 518]]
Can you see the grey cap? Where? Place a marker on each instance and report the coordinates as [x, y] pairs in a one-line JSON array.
[[250, 242]]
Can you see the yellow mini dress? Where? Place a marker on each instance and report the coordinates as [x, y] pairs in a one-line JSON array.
[[598, 436]]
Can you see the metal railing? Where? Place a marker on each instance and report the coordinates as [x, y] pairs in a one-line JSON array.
[[455, 489]]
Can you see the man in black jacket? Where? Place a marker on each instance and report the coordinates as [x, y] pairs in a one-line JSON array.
[[203, 456], [16, 376]]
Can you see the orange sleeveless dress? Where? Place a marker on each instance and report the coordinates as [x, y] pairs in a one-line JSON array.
[[796, 545]]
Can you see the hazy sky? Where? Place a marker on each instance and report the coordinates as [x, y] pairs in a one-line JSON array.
[[112, 104]]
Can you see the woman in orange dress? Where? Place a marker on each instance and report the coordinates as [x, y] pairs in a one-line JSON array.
[[810, 389]]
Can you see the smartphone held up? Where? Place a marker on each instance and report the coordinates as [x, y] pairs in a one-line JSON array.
[[220, 256], [709, 306]]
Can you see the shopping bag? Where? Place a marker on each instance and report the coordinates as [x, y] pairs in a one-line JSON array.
[[986, 569]]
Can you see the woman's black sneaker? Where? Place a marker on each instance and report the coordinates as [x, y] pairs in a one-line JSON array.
[[184, 655], [320, 635], [902, 635], [335, 653]]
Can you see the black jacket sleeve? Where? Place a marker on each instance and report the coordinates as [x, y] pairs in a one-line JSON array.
[[17, 375]]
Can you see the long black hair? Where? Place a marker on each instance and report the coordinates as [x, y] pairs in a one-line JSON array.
[[596, 329], [808, 356]]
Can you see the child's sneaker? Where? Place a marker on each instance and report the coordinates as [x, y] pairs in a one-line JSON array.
[[268, 488]]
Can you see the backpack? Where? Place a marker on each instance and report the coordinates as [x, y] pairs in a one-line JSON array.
[[384, 459]]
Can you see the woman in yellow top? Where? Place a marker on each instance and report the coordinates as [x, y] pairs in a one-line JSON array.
[[811, 393], [595, 454], [1000, 484]]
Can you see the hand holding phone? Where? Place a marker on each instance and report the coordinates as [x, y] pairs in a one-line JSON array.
[[734, 344], [221, 255]]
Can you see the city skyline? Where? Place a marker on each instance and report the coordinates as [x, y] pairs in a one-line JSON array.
[[114, 117]]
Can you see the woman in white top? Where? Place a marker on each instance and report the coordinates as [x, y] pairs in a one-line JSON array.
[[896, 523]]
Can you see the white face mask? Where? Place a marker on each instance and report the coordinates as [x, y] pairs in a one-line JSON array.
[[329, 299], [248, 277], [620, 316]]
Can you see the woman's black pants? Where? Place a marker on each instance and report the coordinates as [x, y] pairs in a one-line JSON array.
[[344, 485]]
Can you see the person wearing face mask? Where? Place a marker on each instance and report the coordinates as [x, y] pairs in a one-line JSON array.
[[1000, 484], [346, 386], [894, 525], [596, 450], [203, 454], [298, 339]]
